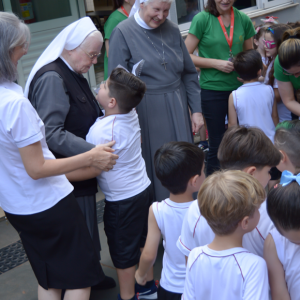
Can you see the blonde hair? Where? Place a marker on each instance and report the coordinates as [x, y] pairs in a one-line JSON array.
[[226, 197], [289, 50]]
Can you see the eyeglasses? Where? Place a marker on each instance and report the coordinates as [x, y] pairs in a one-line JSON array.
[[91, 56], [98, 87], [269, 44]]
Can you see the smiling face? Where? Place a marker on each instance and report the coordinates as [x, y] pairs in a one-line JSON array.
[[103, 97], [224, 5], [270, 52], [155, 13]]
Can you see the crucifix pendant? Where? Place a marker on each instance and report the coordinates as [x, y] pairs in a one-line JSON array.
[[164, 63]]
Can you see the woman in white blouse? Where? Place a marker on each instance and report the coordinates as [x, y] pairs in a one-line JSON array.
[[35, 195]]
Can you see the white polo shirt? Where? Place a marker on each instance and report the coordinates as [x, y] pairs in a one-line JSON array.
[[20, 126], [232, 274], [128, 177], [196, 232]]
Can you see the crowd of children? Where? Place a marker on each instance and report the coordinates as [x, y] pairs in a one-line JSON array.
[[234, 241]]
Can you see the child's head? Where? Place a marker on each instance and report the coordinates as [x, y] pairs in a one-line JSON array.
[[287, 141], [248, 149], [283, 206], [228, 199], [294, 24], [248, 64], [122, 90], [258, 42], [179, 165]]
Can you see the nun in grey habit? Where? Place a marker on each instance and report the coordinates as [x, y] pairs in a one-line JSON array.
[[170, 76]]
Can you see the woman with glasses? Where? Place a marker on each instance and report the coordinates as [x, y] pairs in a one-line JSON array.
[[287, 70], [63, 99]]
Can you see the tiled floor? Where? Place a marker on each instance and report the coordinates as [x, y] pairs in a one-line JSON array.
[[20, 283]]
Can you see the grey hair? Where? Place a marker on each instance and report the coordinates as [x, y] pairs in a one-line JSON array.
[[167, 1], [13, 33]]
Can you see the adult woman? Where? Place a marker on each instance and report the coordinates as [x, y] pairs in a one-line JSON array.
[[62, 97], [169, 74], [42, 210], [287, 70], [216, 51], [121, 13]]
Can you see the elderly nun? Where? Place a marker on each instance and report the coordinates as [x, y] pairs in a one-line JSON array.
[[170, 76], [63, 99]]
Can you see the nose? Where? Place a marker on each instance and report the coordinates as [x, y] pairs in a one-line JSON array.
[[160, 15], [94, 60]]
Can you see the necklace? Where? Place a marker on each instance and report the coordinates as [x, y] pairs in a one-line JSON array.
[[164, 63]]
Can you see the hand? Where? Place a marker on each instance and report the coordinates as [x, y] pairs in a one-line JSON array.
[[103, 158], [197, 121], [225, 66], [140, 280]]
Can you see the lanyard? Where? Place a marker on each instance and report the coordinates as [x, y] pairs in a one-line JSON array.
[[228, 39], [124, 11]]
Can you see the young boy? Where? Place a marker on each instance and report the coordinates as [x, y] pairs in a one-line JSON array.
[[126, 187], [253, 103], [248, 150], [229, 201], [282, 245], [179, 166]]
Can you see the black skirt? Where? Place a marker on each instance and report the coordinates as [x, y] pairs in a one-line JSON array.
[[59, 246]]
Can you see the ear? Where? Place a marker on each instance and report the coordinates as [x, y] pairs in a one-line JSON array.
[[284, 156], [259, 73], [112, 103], [255, 41], [193, 180], [244, 223], [250, 170]]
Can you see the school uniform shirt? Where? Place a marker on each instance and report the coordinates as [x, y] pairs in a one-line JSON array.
[[169, 217], [283, 113], [20, 126], [253, 103], [128, 176], [232, 274], [289, 255], [196, 232]]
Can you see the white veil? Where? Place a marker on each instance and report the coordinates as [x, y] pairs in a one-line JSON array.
[[69, 38]]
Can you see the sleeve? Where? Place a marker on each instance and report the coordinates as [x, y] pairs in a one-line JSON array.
[[109, 26], [256, 284], [189, 284], [189, 77], [278, 72], [198, 25], [118, 51], [186, 241], [248, 26], [23, 124], [52, 104]]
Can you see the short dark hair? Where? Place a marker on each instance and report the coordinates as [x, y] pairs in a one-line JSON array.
[[242, 147], [176, 163], [117, 4], [247, 64], [127, 89], [283, 206], [287, 138]]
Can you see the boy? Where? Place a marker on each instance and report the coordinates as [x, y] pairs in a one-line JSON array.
[[229, 201], [248, 150], [179, 166], [253, 103], [282, 245], [126, 187]]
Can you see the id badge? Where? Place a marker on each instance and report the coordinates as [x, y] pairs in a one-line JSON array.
[[230, 56]]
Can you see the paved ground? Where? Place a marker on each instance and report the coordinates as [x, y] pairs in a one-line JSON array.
[[20, 283]]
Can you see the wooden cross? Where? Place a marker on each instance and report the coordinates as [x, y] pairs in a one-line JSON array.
[[164, 63]]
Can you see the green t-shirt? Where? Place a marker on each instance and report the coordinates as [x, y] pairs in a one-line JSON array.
[[114, 19], [278, 74], [213, 44]]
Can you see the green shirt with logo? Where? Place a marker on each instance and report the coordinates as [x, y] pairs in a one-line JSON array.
[[213, 44]]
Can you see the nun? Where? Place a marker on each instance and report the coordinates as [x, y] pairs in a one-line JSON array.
[[62, 98], [170, 76]]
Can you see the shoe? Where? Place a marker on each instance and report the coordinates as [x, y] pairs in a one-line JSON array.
[[146, 293], [203, 145], [107, 283]]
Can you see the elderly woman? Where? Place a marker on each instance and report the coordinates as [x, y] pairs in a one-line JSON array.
[[287, 70], [38, 200], [216, 51], [170, 76], [63, 99]]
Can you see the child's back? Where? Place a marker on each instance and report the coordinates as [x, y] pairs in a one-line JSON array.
[[231, 274], [253, 103]]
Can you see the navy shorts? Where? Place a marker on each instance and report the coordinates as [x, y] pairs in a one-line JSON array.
[[126, 227]]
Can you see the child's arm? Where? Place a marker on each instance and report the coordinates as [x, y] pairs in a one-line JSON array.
[[150, 250], [232, 116], [277, 281], [83, 174], [275, 113]]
